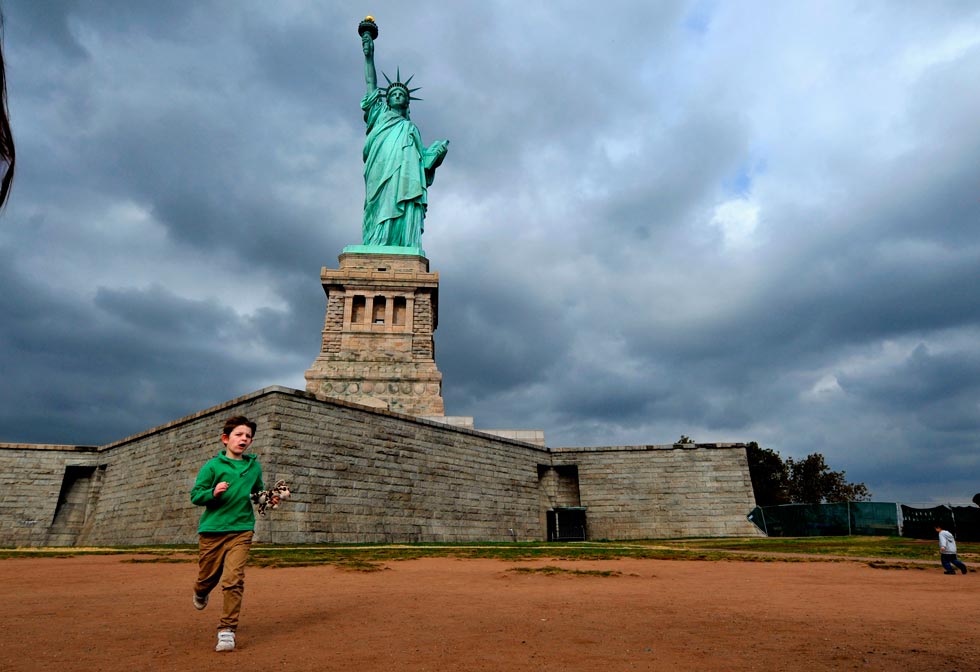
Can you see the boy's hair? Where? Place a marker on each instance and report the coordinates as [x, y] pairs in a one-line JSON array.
[[235, 421]]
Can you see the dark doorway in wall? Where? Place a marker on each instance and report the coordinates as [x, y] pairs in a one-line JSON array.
[[76, 502], [566, 523]]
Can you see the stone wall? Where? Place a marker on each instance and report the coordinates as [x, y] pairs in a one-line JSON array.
[[32, 478], [356, 475], [423, 345], [643, 492], [145, 491], [381, 477], [365, 475]]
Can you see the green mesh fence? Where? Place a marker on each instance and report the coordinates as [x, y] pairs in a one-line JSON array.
[[962, 521], [827, 520], [921, 523]]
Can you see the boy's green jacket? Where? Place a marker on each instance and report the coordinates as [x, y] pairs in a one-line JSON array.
[[232, 510]]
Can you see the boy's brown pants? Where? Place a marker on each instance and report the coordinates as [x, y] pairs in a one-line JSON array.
[[221, 557]]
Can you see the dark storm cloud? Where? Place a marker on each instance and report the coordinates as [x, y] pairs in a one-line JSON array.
[[734, 223], [48, 24], [936, 384], [495, 331], [297, 60], [76, 373]]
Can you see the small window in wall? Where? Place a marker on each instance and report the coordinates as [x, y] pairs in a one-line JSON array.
[[358, 308], [379, 310], [400, 306]]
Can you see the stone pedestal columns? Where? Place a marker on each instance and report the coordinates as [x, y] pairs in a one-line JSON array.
[[378, 347]]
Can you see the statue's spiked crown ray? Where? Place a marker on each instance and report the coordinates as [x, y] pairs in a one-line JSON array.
[[398, 84]]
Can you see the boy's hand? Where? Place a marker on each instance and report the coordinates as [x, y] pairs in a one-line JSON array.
[[219, 488]]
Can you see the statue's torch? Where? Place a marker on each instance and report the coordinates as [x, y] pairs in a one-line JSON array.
[[368, 26]]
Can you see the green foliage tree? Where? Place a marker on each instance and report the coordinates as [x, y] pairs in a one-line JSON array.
[[770, 478], [811, 481], [806, 481]]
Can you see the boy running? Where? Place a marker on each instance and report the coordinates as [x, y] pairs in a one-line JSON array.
[[947, 552], [224, 487]]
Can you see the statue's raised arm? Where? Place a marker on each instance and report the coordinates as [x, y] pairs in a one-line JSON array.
[[398, 168], [370, 74]]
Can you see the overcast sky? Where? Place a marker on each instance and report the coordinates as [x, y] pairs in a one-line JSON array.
[[737, 221]]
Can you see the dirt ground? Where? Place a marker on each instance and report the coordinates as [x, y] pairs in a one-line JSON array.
[[101, 613]]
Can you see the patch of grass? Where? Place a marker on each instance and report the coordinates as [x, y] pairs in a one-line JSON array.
[[6, 555], [348, 562], [337, 555], [71, 552], [879, 564], [373, 557], [871, 547], [551, 570]]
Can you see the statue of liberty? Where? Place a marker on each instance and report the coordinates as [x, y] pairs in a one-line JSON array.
[[398, 169]]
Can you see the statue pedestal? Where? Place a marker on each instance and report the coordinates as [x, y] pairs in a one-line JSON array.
[[378, 347]]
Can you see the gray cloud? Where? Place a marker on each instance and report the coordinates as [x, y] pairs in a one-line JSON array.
[[751, 223]]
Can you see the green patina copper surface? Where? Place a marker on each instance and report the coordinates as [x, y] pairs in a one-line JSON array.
[[384, 249], [398, 168]]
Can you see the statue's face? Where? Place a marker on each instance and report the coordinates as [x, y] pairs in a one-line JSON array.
[[398, 99]]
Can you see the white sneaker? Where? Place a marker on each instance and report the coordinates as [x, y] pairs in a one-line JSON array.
[[200, 601], [226, 641]]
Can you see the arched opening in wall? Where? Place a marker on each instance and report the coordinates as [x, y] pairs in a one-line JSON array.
[[358, 309], [401, 309], [378, 313]]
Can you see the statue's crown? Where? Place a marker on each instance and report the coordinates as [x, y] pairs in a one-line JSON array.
[[398, 84]]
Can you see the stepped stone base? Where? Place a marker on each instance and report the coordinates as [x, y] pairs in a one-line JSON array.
[[378, 348]]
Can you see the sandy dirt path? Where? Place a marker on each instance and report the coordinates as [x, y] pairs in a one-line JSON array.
[[101, 613]]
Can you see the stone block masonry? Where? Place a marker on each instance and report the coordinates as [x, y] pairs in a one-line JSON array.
[[360, 474], [378, 347], [32, 477], [378, 477], [644, 492]]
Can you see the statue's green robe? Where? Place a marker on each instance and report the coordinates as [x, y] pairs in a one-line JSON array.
[[397, 171]]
